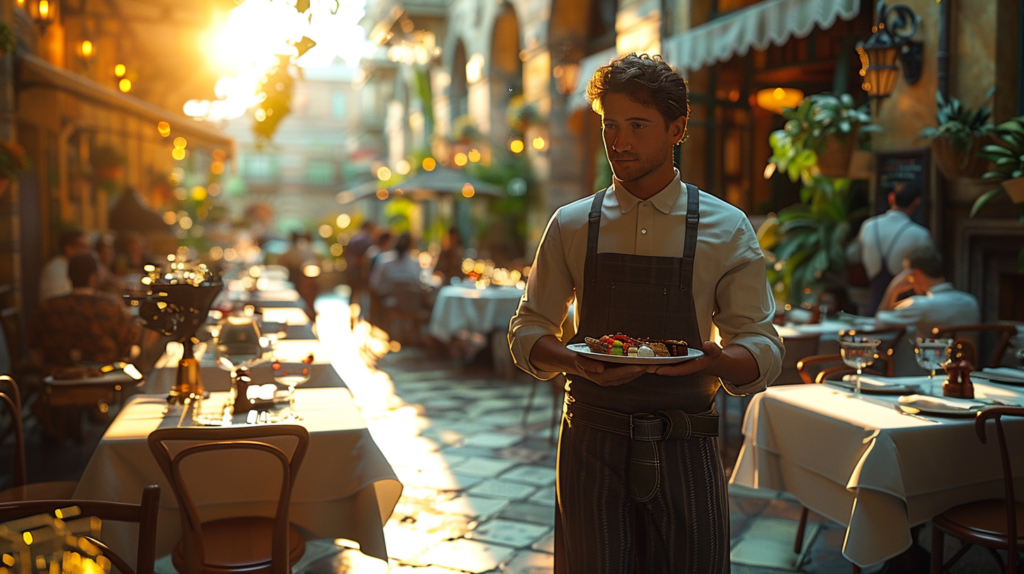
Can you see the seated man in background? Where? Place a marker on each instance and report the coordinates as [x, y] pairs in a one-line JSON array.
[[85, 325], [54, 280], [395, 268], [935, 301]]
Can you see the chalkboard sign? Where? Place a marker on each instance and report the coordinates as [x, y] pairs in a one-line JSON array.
[[894, 168]]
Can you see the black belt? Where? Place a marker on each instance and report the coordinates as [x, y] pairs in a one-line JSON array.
[[663, 425]]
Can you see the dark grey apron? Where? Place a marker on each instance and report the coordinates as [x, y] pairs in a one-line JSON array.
[[879, 283], [675, 518]]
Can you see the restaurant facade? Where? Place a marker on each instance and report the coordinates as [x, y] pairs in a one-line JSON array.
[[735, 55]]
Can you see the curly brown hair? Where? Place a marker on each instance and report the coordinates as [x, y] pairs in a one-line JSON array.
[[648, 80]]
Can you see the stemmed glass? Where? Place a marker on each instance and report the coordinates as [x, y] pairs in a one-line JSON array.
[[858, 352], [291, 373], [931, 354]]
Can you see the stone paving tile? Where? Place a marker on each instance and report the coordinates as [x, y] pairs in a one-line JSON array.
[[544, 496], [496, 488], [472, 506], [492, 440], [483, 467], [546, 544], [468, 555], [530, 563], [528, 512], [508, 532], [535, 475]]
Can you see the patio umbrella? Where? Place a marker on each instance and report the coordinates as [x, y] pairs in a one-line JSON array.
[[443, 180], [129, 214]]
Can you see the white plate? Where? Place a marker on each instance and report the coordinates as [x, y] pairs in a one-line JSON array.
[[1003, 375], [874, 388], [583, 349]]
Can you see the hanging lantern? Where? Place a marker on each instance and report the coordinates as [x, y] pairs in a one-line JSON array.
[[567, 71], [43, 13], [889, 41]]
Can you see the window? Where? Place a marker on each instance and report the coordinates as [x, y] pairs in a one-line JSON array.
[[319, 172], [260, 167], [338, 105]]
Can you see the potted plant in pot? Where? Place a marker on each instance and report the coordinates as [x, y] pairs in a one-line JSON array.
[[12, 162], [107, 163], [1008, 157], [958, 138], [819, 137], [8, 40]]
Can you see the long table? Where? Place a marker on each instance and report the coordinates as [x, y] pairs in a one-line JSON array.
[[862, 464], [345, 487]]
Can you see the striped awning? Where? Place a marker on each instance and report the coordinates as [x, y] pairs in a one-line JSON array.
[[767, 23]]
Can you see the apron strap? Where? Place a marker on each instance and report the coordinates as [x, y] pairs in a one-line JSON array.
[[690, 245], [593, 230], [885, 253]]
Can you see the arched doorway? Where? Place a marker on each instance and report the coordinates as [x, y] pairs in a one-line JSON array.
[[506, 70]]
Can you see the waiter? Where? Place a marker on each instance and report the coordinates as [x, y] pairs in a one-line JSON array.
[[641, 487]]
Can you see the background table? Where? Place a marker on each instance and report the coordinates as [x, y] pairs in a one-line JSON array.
[[864, 465], [474, 310], [345, 488]]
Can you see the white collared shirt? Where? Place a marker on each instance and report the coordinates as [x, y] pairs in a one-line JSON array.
[[54, 280], [869, 246], [941, 305], [730, 287]]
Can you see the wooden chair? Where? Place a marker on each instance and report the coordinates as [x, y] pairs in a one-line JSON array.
[[798, 347], [21, 490], [145, 514], [405, 312], [1003, 332], [250, 544], [989, 523], [832, 367]]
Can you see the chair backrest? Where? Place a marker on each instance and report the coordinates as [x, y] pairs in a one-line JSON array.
[[1003, 332], [889, 337], [997, 414], [405, 297], [798, 346], [10, 322], [204, 440], [145, 514], [11, 398]]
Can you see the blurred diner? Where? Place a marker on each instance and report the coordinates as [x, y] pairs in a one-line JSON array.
[[54, 281], [935, 301]]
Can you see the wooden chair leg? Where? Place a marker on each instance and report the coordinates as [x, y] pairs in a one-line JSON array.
[[937, 551], [798, 544], [855, 568]]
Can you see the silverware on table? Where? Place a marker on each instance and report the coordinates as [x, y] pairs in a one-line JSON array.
[[900, 410]]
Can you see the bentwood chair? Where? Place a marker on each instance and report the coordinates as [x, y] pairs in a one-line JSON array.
[[21, 490], [145, 514], [993, 524], [1003, 332], [249, 544]]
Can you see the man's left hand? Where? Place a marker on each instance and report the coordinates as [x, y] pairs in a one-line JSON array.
[[711, 353]]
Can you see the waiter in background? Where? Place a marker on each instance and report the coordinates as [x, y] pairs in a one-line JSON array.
[[641, 486]]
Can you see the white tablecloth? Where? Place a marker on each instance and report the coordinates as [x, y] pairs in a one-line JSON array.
[[460, 308], [869, 468], [345, 487]]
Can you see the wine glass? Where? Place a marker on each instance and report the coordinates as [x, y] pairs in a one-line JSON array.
[[291, 372], [931, 354], [858, 352]]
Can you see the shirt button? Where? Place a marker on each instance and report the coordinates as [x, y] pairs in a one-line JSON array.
[[644, 231]]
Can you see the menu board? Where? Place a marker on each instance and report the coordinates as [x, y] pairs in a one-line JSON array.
[[894, 168]]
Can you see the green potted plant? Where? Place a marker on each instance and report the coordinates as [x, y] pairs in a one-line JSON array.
[[958, 138], [107, 163], [12, 162], [819, 137], [804, 243], [8, 40], [1008, 159]]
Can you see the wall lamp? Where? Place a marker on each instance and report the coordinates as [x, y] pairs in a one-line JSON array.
[[890, 39]]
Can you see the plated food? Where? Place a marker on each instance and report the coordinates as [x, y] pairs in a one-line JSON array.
[[626, 346]]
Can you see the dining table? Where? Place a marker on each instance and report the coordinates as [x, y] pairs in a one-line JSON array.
[[874, 467], [462, 311], [345, 487]]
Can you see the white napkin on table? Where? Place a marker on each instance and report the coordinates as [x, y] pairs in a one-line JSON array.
[[952, 403], [869, 381], [1003, 372]]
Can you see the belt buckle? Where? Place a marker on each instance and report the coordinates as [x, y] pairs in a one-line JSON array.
[[669, 425]]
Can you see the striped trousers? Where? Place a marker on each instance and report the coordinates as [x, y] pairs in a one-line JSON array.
[[599, 529]]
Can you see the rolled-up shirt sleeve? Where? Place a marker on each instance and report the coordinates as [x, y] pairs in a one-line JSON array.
[[543, 308], [745, 309]]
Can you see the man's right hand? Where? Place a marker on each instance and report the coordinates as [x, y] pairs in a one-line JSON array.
[[548, 354]]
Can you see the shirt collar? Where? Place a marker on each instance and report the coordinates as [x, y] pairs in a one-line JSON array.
[[663, 201], [941, 287], [898, 213]]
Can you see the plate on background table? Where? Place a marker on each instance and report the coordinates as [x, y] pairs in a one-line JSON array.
[[584, 350], [1005, 375], [942, 406], [871, 386]]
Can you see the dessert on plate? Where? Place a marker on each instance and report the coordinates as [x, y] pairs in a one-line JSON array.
[[619, 344]]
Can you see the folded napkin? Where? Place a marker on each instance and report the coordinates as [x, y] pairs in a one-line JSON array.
[[880, 382], [1003, 373], [945, 402]]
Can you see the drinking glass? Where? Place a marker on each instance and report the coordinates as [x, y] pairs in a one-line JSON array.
[[931, 354], [291, 372], [858, 352]]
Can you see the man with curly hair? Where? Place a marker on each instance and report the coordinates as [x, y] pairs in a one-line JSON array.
[[641, 486]]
